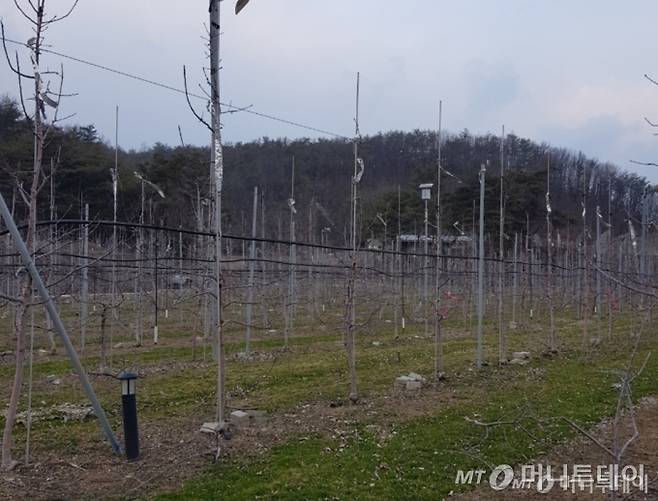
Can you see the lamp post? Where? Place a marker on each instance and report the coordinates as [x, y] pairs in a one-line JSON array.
[[129, 405], [426, 195]]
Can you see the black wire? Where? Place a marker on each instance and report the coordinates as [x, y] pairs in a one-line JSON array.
[[181, 91], [82, 222]]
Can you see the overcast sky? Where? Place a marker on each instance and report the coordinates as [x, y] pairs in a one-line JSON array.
[[563, 71]]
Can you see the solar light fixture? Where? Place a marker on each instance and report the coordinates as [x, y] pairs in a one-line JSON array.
[[426, 191], [129, 405]]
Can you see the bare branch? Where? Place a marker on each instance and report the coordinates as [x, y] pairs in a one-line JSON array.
[[588, 435], [652, 164], [77, 269], [64, 119], [205, 92], [236, 109], [20, 9], [4, 45], [9, 299], [650, 79], [641, 369], [636, 432], [187, 97], [623, 284], [491, 424], [20, 92], [56, 18], [650, 122], [22, 192]]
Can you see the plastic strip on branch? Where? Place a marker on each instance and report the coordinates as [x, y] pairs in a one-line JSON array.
[[151, 184], [362, 168], [219, 163]]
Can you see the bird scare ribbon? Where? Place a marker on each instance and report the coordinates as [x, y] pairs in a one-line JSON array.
[[359, 175]]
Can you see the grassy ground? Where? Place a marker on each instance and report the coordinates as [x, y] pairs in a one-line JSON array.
[[389, 448], [418, 458]]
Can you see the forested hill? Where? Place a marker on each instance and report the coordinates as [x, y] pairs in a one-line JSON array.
[[323, 170]]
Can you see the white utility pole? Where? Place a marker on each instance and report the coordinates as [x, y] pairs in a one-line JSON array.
[[84, 288], [252, 259], [599, 262], [502, 341], [290, 310], [438, 337], [115, 188], [480, 338], [515, 286]]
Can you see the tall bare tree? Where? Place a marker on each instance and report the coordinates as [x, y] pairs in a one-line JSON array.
[[216, 182], [350, 319], [44, 98]]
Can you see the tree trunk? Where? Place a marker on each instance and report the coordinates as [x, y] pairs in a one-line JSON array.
[[8, 462]]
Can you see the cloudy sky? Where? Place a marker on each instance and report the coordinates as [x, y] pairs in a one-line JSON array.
[[562, 71]]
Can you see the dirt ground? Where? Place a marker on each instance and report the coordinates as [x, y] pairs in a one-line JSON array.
[[584, 451], [169, 458], [173, 450]]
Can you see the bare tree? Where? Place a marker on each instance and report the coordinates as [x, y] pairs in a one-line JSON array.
[[35, 13], [549, 256], [216, 182], [350, 319]]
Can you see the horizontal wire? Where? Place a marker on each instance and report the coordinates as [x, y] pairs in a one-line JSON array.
[[443, 257], [181, 91]]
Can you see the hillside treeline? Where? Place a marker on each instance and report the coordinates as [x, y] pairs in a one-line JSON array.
[[395, 163]]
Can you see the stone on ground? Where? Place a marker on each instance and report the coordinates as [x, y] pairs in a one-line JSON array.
[[239, 417], [401, 381], [521, 355], [211, 427], [411, 382]]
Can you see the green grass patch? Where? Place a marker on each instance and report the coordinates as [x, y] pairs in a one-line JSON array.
[[420, 458]]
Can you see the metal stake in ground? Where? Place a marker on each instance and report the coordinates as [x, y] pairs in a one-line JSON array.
[[57, 323]]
